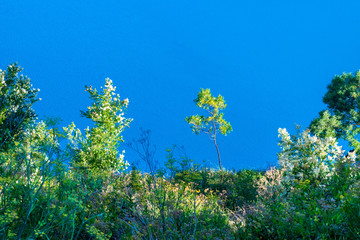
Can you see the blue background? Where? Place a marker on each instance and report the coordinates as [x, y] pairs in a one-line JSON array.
[[271, 60]]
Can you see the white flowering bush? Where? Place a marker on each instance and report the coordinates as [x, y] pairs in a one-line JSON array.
[[310, 195], [16, 99], [309, 157], [98, 149]]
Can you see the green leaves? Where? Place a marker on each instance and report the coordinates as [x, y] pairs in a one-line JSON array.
[[325, 125], [214, 122], [342, 119], [206, 101], [98, 149], [16, 99]]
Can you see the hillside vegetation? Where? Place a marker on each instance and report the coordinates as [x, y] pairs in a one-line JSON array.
[[64, 183]]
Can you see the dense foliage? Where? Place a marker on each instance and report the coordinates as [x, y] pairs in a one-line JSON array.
[[16, 99], [342, 118], [83, 190]]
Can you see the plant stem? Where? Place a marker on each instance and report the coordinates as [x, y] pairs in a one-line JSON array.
[[217, 148]]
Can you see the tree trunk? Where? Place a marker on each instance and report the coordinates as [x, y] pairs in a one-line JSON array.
[[217, 149]]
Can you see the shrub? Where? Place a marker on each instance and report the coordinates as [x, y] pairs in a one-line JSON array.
[[98, 150], [305, 198], [16, 99]]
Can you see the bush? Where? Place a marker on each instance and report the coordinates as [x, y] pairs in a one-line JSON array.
[[235, 188], [308, 197]]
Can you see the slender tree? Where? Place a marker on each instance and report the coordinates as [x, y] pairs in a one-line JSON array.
[[214, 122]]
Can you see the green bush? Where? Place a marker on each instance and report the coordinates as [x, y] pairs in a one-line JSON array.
[[235, 188]]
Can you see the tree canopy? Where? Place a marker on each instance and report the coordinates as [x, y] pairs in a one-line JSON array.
[[342, 118]]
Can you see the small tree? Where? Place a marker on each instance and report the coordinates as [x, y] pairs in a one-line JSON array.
[[213, 123], [98, 149]]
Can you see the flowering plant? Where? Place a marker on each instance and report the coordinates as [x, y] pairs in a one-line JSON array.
[[16, 99], [98, 149], [310, 157]]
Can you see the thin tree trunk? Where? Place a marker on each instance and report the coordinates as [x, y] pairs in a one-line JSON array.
[[217, 149]]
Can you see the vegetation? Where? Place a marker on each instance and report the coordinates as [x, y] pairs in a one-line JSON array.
[[16, 100], [83, 190], [214, 122], [342, 118]]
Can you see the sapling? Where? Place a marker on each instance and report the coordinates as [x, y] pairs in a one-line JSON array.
[[214, 122], [98, 149]]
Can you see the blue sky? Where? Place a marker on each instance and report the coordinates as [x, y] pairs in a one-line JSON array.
[[271, 60]]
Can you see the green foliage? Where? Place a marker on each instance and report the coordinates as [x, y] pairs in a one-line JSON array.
[[214, 122], [42, 198], [308, 197], [16, 99], [98, 150], [235, 188], [183, 169], [177, 211], [342, 119], [313, 194], [326, 125], [27, 173], [135, 179]]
